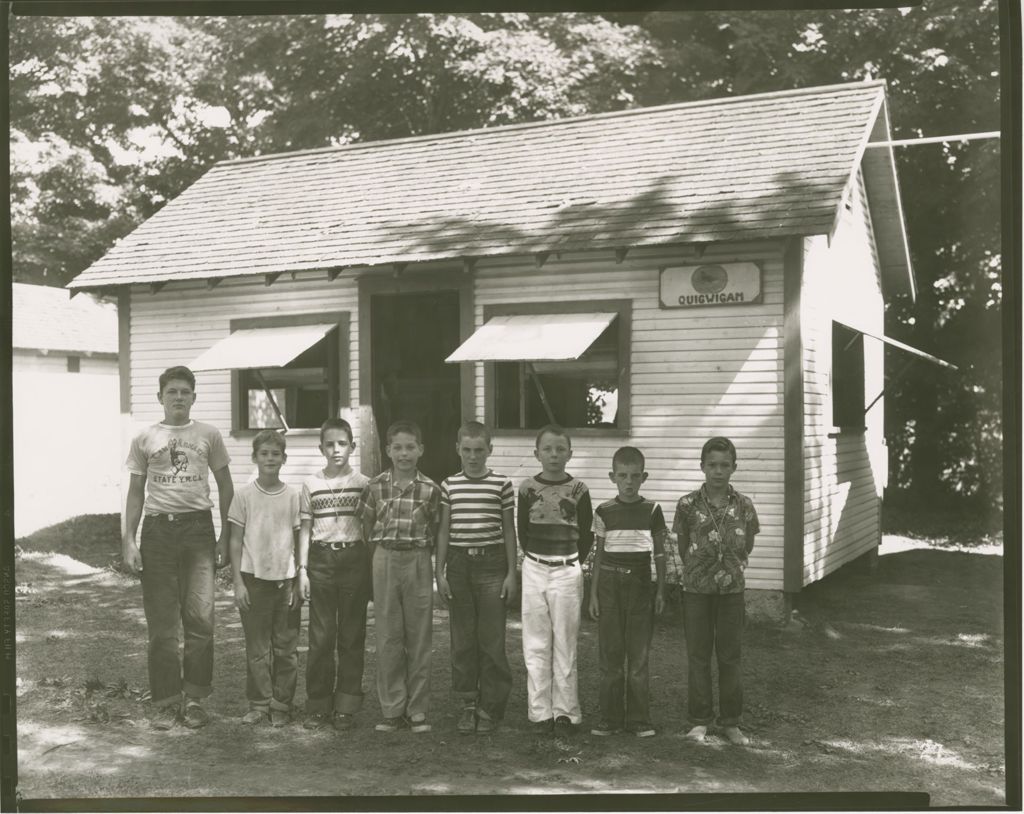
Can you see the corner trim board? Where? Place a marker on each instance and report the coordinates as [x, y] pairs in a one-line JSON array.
[[793, 418]]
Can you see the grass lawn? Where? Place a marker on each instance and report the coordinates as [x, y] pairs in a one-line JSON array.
[[884, 681]]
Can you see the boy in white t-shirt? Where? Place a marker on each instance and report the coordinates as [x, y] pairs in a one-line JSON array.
[[335, 576], [170, 464], [264, 519]]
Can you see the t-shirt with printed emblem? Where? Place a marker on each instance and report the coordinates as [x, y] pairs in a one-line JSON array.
[[177, 461]]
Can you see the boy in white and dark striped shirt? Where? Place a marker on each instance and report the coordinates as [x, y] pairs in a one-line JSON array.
[[476, 577]]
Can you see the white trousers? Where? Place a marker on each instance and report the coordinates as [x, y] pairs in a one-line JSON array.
[[551, 626]]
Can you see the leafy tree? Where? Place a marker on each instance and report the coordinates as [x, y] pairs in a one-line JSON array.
[[112, 117]]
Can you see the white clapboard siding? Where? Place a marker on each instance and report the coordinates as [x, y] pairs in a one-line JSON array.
[[844, 475], [695, 373]]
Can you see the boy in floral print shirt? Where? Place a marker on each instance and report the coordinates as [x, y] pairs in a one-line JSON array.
[[715, 528]]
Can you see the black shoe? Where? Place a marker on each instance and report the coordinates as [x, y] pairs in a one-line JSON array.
[[165, 717], [542, 727], [194, 716], [564, 728], [604, 729]]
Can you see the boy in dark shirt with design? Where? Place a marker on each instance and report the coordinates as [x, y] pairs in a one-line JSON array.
[[554, 521], [629, 529]]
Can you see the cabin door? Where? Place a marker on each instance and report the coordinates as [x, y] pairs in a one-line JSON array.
[[411, 334]]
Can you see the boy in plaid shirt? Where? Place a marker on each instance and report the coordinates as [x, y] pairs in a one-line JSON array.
[[400, 509]]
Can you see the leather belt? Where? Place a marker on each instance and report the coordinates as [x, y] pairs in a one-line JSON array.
[[553, 563], [337, 546], [172, 516], [475, 550], [618, 569]]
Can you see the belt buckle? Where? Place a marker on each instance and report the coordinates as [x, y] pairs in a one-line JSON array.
[[170, 517], [475, 551]]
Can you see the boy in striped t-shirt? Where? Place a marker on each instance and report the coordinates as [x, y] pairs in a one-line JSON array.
[[629, 529], [476, 577], [334, 575]]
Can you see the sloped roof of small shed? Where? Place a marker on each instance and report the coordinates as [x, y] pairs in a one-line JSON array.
[[46, 318], [748, 167]]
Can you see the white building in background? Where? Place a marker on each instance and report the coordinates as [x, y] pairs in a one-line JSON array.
[[67, 437]]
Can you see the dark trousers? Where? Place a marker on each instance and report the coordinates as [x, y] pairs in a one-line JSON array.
[[271, 643], [177, 593], [339, 590], [476, 616], [624, 630], [714, 621]]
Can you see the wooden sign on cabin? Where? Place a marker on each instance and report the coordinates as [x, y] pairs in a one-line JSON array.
[[710, 284]]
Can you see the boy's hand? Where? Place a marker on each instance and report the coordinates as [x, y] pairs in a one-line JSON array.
[[443, 591], [131, 555], [296, 593], [508, 587], [303, 584], [595, 606], [221, 549], [241, 596], [659, 602]]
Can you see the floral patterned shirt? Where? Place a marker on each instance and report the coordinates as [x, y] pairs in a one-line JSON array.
[[714, 542]]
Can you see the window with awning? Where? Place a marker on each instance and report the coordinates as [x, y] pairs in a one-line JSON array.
[[285, 370], [848, 396], [556, 363]]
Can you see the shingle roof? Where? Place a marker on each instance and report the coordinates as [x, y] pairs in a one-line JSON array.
[[735, 168], [46, 318]]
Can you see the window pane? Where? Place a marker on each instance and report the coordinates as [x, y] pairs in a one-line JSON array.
[[261, 412]]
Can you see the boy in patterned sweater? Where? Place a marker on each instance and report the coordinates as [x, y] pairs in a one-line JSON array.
[[554, 523], [334, 575], [476, 577], [629, 529]]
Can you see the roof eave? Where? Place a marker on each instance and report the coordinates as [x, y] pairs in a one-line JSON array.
[[883, 191]]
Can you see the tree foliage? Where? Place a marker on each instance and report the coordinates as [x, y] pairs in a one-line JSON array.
[[113, 117]]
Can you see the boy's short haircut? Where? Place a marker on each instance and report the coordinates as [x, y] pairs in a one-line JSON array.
[[474, 429], [408, 427], [553, 429], [718, 444], [336, 424], [269, 438], [627, 456], [177, 372]]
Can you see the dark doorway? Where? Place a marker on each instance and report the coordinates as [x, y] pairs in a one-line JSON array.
[[410, 336]]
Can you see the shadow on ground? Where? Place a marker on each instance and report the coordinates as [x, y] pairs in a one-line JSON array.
[[890, 681]]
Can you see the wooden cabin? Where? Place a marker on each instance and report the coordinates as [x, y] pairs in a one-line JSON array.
[[650, 277]]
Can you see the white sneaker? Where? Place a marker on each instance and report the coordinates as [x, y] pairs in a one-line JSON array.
[[735, 736], [697, 733]]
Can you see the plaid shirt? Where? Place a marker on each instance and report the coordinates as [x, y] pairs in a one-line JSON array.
[[402, 518]]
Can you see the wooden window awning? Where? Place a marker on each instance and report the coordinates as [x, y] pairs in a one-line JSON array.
[[256, 348]]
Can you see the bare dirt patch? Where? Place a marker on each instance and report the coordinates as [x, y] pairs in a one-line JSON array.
[[891, 681]]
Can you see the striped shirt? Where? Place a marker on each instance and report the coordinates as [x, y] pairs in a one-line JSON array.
[[629, 530], [331, 504], [476, 506], [401, 518]]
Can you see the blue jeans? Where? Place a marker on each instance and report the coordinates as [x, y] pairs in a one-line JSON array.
[[714, 621], [339, 590], [480, 670], [271, 628], [177, 590], [624, 630]]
